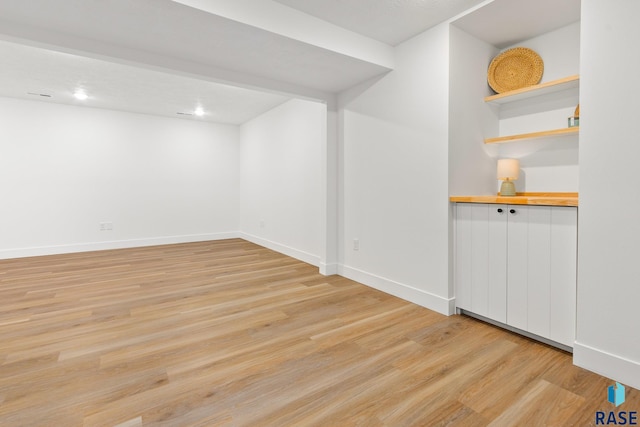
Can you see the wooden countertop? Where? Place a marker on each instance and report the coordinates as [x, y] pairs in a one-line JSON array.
[[542, 199]]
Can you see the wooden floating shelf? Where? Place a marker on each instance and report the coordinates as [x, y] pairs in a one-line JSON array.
[[535, 199], [533, 135], [537, 90]]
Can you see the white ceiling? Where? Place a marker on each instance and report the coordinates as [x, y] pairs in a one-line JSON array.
[[234, 58], [388, 21], [166, 34], [44, 75], [503, 23]]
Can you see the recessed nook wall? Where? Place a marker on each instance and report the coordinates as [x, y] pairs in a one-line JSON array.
[[549, 165]]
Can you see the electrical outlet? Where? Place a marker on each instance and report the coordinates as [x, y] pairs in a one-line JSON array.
[[356, 244]]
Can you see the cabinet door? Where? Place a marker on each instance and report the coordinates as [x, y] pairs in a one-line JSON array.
[[480, 257], [541, 270], [497, 256], [564, 241], [517, 266], [462, 256], [529, 268]]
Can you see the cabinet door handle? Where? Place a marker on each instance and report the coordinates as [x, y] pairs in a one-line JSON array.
[[500, 210], [512, 211]]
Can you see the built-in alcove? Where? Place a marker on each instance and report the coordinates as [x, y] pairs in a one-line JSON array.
[[533, 128]]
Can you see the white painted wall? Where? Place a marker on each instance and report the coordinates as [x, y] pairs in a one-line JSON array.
[[66, 169], [329, 184], [559, 49], [608, 338], [281, 168], [472, 164], [394, 173], [549, 164]]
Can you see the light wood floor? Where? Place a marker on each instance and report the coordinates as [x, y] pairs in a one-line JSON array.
[[229, 333]]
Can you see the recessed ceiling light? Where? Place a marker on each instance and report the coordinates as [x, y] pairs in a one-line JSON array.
[[81, 95], [199, 112]]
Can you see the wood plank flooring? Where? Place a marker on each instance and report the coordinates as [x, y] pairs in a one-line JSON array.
[[228, 333]]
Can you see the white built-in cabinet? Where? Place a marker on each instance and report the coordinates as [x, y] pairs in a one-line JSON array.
[[516, 265]]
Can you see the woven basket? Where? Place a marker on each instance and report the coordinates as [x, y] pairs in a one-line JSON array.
[[514, 69]]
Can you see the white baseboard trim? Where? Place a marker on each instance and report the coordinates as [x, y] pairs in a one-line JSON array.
[[609, 365], [328, 269], [283, 249], [114, 244], [425, 299]]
